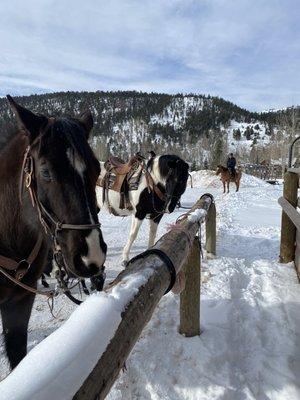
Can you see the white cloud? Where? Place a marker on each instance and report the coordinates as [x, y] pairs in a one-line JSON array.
[[246, 51]]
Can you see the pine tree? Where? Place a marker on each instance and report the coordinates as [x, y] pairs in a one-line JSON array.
[[217, 153], [237, 134]]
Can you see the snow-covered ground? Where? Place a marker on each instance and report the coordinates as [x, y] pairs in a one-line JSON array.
[[250, 342]]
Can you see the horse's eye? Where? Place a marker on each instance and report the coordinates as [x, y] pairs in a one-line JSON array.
[[45, 174]]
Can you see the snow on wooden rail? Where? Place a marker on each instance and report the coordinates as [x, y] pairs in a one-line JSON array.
[[82, 359]]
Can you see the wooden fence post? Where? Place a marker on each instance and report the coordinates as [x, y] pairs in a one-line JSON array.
[[190, 296], [211, 232], [288, 229]]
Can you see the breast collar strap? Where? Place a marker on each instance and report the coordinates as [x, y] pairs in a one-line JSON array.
[[152, 186]]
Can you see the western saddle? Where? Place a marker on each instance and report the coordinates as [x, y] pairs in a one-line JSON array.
[[123, 177], [121, 167]]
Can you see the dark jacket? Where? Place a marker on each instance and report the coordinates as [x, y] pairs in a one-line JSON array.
[[231, 163]]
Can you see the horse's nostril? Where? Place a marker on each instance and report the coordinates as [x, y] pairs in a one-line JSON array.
[[93, 268]]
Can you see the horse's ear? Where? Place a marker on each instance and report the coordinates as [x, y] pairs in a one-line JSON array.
[[32, 123], [86, 120], [152, 154]]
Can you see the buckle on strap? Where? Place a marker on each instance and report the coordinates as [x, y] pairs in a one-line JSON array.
[[22, 269], [58, 226], [28, 168]]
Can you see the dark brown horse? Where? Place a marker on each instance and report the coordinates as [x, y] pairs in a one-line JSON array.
[[61, 173], [227, 177]]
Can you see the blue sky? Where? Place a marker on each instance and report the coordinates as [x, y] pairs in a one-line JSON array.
[[246, 51]]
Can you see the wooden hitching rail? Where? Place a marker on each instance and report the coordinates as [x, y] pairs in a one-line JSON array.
[[181, 246]]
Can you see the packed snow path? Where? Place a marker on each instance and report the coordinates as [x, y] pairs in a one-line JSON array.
[[250, 344]]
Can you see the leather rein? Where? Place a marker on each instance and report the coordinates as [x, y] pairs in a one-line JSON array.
[[50, 224]]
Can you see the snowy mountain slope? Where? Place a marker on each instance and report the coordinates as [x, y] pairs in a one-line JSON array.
[[249, 346], [178, 111], [126, 122]]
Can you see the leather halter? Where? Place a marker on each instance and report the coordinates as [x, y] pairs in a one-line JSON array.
[[28, 178]]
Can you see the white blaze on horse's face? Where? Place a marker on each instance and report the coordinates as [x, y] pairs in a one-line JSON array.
[[77, 162], [95, 255]]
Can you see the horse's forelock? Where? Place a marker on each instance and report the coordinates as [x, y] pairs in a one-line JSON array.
[[66, 139], [67, 132]]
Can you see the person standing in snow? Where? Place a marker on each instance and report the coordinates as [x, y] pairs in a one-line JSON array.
[[231, 163]]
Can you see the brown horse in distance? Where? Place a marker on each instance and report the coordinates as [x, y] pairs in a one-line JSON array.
[[227, 177]]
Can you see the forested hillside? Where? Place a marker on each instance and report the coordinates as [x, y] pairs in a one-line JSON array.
[[200, 128]]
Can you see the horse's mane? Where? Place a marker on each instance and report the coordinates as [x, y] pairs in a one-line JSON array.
[[12, 150], [6, 139], [224, 168]]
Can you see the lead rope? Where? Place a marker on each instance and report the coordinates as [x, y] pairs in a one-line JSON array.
[[50, 303], [61, 278]]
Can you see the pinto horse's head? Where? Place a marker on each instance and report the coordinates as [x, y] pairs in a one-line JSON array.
[[175, 173], [65, 175]]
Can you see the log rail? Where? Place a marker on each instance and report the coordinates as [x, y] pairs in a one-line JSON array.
[[130, 301], [181, 246]]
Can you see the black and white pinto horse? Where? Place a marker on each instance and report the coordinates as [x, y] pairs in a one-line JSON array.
[[170, 174]]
